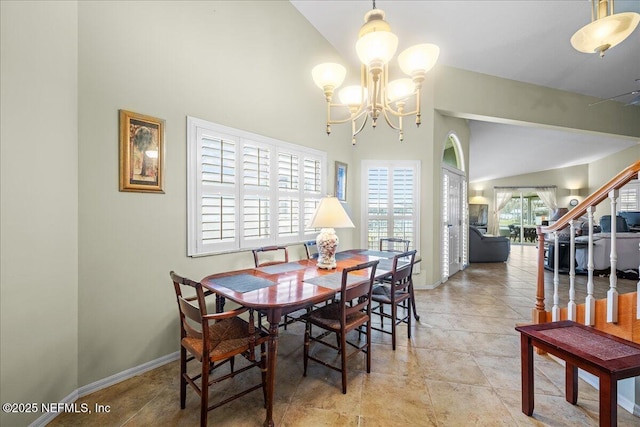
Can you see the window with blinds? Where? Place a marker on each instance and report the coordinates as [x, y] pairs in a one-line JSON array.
[[245, 190], [390, 201]]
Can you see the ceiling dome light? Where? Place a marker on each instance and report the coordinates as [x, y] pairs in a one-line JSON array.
[[606, 31]]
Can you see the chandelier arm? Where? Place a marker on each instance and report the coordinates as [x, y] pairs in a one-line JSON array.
[[388, 120], [355, 132], [340, 121], [364, 122]]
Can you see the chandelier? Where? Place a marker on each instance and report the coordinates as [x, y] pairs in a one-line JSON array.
[[606, 30], [377, 96]]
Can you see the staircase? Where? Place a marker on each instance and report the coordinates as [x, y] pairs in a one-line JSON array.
[[618, 314]]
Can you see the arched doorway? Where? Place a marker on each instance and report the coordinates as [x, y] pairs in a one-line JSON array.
[[454, 208]]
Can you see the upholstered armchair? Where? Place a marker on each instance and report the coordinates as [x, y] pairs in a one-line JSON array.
[[487, 248]]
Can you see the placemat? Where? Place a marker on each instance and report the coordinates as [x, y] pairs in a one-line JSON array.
[[281, 268], [333, 280], [381, 254], [343, 256], [243, 282]]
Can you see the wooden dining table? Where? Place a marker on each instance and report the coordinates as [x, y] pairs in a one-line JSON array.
[[280, 289]]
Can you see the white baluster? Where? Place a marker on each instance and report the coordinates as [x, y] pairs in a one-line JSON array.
[[571, 307], [590, 301], [555, 311], [612, 293]]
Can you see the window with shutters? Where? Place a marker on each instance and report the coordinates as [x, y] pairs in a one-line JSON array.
[[629, 197], [245, 190], [390, 201]]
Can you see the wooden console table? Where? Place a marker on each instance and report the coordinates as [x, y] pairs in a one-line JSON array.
[[608, 357]]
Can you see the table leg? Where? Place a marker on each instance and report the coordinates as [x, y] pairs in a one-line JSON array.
[[571, 383], [274, 321], [526, 359], [413, 303], [608, 401]]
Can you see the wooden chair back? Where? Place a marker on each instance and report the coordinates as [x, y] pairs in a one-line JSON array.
[[401, 273], [357, 297], [394, 244], [274, 255], [311, 247]]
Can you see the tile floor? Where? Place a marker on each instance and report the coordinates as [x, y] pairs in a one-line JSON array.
[[460, 368]]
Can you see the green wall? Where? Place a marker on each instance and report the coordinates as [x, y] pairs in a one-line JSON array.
[[39, 209]]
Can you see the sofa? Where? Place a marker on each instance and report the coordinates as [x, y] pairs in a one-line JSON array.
[[627, 250], [632, 218], [484, 248]]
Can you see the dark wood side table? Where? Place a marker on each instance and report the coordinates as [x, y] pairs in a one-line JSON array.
[[608, 357]]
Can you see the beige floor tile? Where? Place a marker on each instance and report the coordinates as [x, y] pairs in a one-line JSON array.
[[461, 367]]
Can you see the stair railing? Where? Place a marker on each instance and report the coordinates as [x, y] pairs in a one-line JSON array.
[[588, 207]]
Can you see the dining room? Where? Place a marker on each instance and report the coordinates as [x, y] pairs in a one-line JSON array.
[[100, 197]]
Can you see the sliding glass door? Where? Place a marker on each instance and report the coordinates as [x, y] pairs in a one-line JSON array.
[[521, 215]]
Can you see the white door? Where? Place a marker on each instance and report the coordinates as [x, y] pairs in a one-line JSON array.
[[452, 208]]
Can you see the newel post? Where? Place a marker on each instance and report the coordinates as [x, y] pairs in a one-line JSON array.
[[538, 313]]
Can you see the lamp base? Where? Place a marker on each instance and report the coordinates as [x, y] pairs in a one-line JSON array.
[[327, 242]]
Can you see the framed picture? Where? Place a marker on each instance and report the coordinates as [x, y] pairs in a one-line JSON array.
[[341, 181], [141, 153]]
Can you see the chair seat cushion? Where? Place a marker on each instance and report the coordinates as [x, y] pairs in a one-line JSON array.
[[383, 294], [226, 336], [328, 317]]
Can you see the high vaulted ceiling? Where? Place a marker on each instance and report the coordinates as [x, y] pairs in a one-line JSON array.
[[521, 40]]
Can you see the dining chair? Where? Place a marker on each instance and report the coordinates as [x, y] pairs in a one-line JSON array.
[[394, 244], [270, 255], [213, 340], [311, 247], [398, 291], [352, 311]]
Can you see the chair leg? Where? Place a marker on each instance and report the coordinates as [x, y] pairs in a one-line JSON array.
[[394, 321], [369, 346], [343, 357], [183, 381], [307, 333], [204, 392], [409, 318]]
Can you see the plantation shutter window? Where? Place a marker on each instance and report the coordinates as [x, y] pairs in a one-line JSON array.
[[246, 190], [390, 201]]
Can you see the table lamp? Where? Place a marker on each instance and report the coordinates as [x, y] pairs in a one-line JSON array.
[[329, 215]]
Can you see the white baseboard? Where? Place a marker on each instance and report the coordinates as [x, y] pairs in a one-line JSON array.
[[46, 418]]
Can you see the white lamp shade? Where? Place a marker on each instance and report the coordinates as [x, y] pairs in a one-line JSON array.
[[400, 89], [352, 95], [328, 74], [330, 214], [608, 31], [419, 58], [378, 46]]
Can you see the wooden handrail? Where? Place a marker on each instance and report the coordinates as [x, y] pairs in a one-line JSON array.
[[596, 197], [617, 182]]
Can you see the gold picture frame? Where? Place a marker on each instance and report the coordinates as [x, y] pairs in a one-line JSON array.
[[341, 181], [141, 153]]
